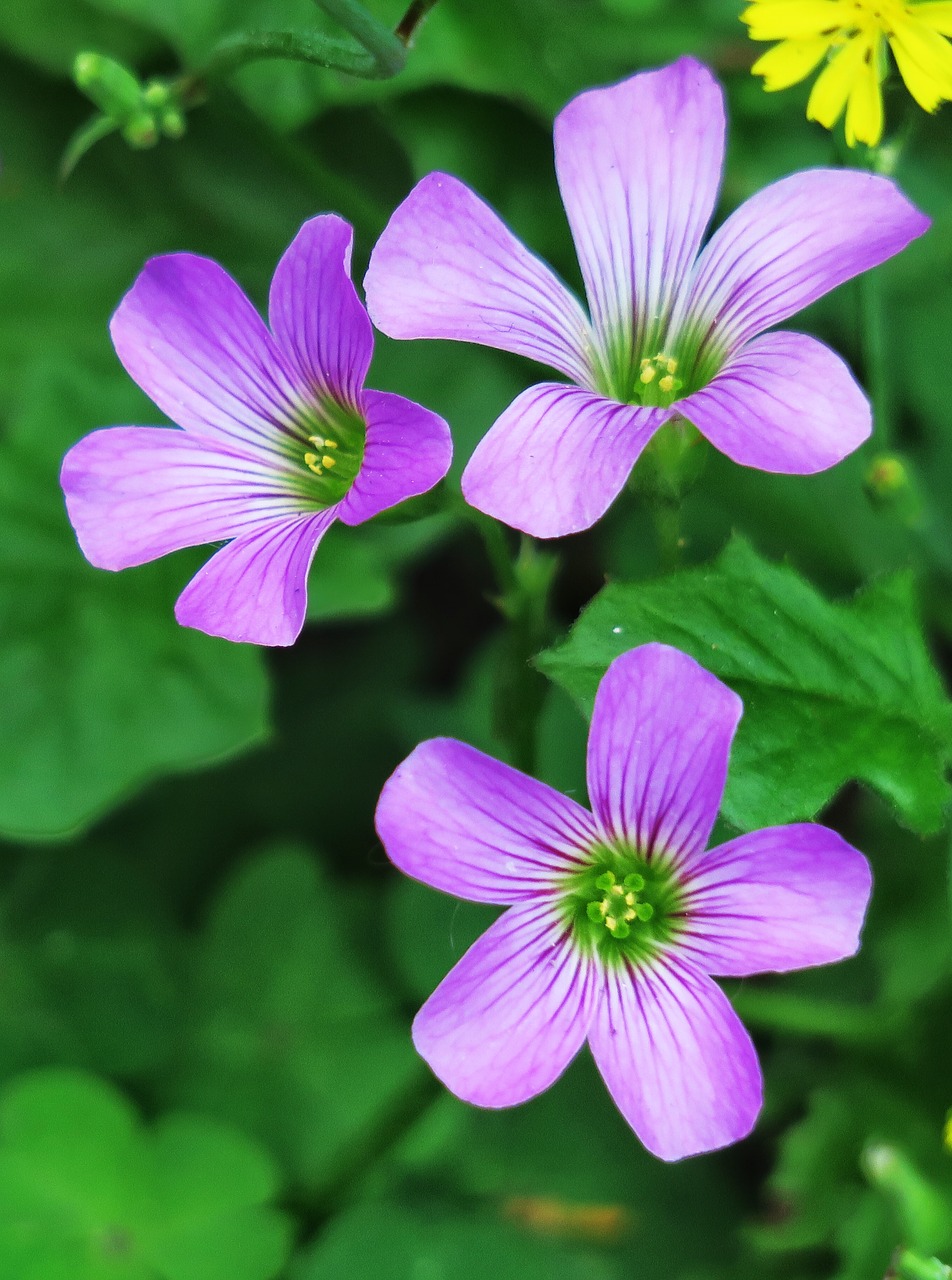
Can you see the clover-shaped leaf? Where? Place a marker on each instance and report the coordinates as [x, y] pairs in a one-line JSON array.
[[100, 688], [87, 1193], [287, 1033]]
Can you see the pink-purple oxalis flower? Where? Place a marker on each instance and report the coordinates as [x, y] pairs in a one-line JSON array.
[[672, 330], [279, 437], [617, 918]]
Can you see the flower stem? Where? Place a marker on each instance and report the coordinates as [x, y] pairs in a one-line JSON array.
[[523, 587], [520, 689], [667, 522], [408, 24], [910, 1266], [374, 52], [875, 359]]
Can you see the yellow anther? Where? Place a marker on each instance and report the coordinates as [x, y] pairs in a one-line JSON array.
[[318, 441], [328, 461], [312, 464], [603, 907], [630, 899], [648, 374], [330, 444], [671, 365], [611, 924], [617, 889], [666, 384], [630, 915]]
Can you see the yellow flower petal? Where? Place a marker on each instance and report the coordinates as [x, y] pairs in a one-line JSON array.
[[864, 109], [937, 14], [835, 83], [924, 60], [795, 19], [789, 62]]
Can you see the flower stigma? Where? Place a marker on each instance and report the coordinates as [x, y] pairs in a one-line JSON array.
[[328, 439], [619, 904], [623, 905]]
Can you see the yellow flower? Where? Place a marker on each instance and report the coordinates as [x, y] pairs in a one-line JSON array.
[[851, 36]]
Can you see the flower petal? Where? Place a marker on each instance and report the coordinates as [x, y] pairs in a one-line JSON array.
[[255, 589], [136, 493], [557, 458], [783, 898], [936, 14], [790, 244], [794, 19], [446, 266], [790, 62], [657, 751], [676, 1059], [194, 343], [467, 824], [924, 60], [507, 1021], [407, 451], [836, 81], [315, 314], [639, 166], [784, 403]]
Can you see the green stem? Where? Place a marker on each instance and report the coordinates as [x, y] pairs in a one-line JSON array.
[[875, 356], [378, 54], [523, 588], [910, 1266], [520, 689], [667, 522], [407, 26]]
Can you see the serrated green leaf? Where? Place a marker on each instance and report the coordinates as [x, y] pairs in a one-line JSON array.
[[83, 1186], [832, 692], [100, 688]]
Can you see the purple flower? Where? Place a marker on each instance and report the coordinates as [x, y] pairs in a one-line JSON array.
[[279, 438], [673, 331], [616, 918]]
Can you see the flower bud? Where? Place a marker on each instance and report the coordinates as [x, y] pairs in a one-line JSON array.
[[113, 88]]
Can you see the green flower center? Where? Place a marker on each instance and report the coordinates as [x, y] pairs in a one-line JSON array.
[[327, 446], [624, 906]]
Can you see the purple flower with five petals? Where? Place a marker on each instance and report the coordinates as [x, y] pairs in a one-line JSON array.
[[673, 329], [279, 437], [617, 918]]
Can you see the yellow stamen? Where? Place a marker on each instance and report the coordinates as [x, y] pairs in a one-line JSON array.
[[666, 384], [648, 374], [328, 461], [312, 464]]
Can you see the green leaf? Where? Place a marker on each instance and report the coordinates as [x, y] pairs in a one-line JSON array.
[[100, 689], [88, 963], [355, 571], [86, 1192], [371, 1241], [832, 692], [287, 1034]]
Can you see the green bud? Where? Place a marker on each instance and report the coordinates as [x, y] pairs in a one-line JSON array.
[[113, 88], [891, 486], [172, 122], [157, 95], [923, 1209], [141, 131]]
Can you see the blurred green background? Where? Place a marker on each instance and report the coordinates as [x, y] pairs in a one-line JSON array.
[[207, 967]]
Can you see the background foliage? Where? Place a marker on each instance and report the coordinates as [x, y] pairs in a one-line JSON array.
[[207, 967]]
